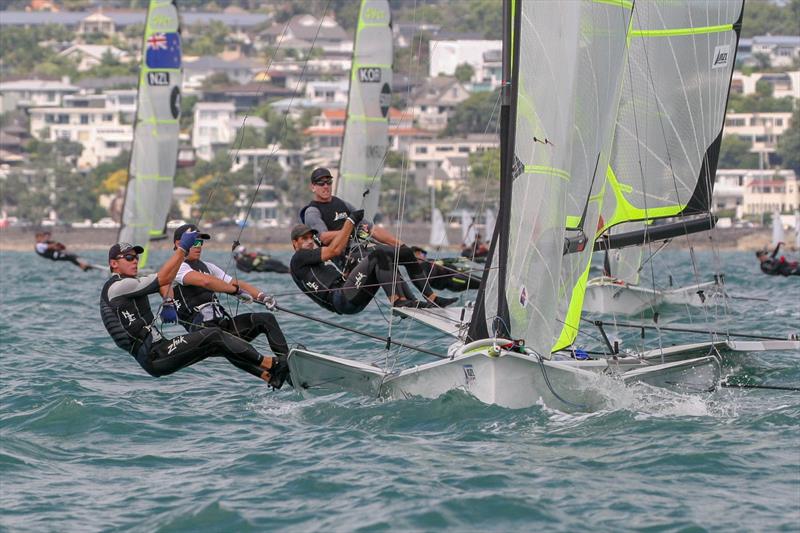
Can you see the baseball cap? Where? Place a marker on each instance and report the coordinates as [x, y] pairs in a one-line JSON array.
[[121, 248], [189, 227], [320, 173], [416, 249], [301, 229]]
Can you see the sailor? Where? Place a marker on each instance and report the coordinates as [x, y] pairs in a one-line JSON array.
[[326, 214], [198, 307], [256, 261], [126, 314], [476, 249], [55, 251], [777, 266], [442, 276], [318, 277]]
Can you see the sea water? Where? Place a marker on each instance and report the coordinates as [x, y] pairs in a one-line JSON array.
[[90, 442]]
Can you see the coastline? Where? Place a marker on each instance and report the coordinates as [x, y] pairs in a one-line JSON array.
[[277, 239]]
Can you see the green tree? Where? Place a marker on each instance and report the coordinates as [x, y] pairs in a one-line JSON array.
[[789, 144], [735, 153], [475, 115], [464, 72]]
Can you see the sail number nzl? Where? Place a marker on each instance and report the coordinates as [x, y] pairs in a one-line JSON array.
[[158, 78]]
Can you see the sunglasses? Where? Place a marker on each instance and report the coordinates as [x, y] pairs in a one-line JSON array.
[[129, 257], [326, 181], [197, 243]]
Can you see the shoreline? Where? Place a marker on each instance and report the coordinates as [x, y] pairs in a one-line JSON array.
[[277, 239]]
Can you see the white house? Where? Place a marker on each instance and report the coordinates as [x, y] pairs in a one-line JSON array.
[[435, 100], [782, 50], [445, 56], [302, 30], [440, 161], [88, 56], [34, 93], [328, 92], [783, 83], [762, 129], [96, 23]]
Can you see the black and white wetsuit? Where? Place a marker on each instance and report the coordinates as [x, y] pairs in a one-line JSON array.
[[126, 314], [324, 284], [199, 308], [443, 277], [779, 266], [44, 250]]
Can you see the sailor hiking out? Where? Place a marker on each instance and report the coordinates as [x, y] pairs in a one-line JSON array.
[[773, 265], [126, 315], [55, 251]]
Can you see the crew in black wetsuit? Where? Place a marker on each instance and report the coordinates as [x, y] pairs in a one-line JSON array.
[[55, 251], [126, 314], [257, 262], [317, 276], [198, 307], [443, 275], [326, 214], [476, 250], [777, 266]]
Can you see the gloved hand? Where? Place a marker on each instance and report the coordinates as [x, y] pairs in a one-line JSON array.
[[187, 241], [169, 315], [364, 231], [268, 301], [356, 216], [244, 297]]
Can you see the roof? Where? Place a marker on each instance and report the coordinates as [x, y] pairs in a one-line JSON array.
[[305, 27], [37, 85], [783, 40], [123, 18], [214, 63], [333, 114], [107, 83], [94, 50]]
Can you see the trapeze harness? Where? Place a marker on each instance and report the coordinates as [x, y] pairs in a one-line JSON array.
[[197, 305], [129, 320]]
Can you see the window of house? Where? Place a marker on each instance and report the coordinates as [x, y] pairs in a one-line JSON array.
[[463, 149], [422, 150], [84, 119], [444, 148], [108, 118], [63, 119]]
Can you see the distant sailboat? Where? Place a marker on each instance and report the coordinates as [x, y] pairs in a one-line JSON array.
[[154, 155], [778, 235]]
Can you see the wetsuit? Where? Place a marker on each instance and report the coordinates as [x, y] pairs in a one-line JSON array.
[[443, 277], [779, 266], [259, 263], [56, 254], [324, 283], [126, 314], [199, 308]]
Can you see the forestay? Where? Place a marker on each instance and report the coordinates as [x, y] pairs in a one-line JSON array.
[[566, 102], [154, 155], [366, 137], [681, 56]]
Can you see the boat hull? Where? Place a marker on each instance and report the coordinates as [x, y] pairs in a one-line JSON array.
[[610, 296]]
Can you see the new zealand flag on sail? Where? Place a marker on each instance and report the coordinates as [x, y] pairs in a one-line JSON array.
[[164, 50]]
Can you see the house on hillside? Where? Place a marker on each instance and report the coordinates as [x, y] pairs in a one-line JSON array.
[[763, 130], [96, 24], [303, 30], [88, 56], [435, 100], [33, 93], [327, 130], [782, 50], [239, 71]]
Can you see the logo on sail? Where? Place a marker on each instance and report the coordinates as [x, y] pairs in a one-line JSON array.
[[721, 56], [369, 75]]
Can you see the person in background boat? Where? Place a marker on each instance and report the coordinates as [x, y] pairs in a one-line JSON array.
[[314, 272], [256, 261], [55, 251], [777, 266], [442, 276], [326, 214], [198, 307], [476, 249], [126, 315]]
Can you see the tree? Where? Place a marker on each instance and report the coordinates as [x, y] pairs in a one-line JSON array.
[[735, 153], [789, 144], [476, 114], [464, 72]]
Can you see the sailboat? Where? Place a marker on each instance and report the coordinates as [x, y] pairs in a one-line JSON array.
[[778, 235], [366, 134], [154, 155], [557, 120]]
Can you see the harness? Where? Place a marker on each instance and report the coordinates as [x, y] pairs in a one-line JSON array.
[[197, 305]]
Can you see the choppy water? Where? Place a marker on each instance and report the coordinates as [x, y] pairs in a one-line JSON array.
[[90, 442]]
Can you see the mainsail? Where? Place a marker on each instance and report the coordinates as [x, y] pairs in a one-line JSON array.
[[148, 195], [681, 56], [562, 108], [366, 136], [438, 237]]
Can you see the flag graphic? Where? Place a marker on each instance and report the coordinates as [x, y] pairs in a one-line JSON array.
[[164, 50]]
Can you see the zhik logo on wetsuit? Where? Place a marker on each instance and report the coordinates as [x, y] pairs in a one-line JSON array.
[[177, 341], [339, 216], [129, 317], [312, 285], [359, 278]]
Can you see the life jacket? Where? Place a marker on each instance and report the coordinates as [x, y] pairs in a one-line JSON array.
[[48, 253], [334, 213], [128, 321], [316, 281], [197, 305]]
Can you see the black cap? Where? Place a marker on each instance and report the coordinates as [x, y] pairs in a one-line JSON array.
[[320, 173], [121, 248], [189, 227], [301, 229]]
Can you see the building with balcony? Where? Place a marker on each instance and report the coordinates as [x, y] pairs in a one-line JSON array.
[[761, 129], [439, 162], [34, 93], [434, 102]]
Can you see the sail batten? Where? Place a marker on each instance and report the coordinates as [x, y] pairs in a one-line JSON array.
[[154, 154], [366, 136]]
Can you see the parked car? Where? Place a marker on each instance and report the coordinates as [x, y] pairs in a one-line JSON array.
[[106, 222]]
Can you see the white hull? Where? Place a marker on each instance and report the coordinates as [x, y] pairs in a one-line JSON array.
[[728, 351], [508, 379], [611, 296]]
